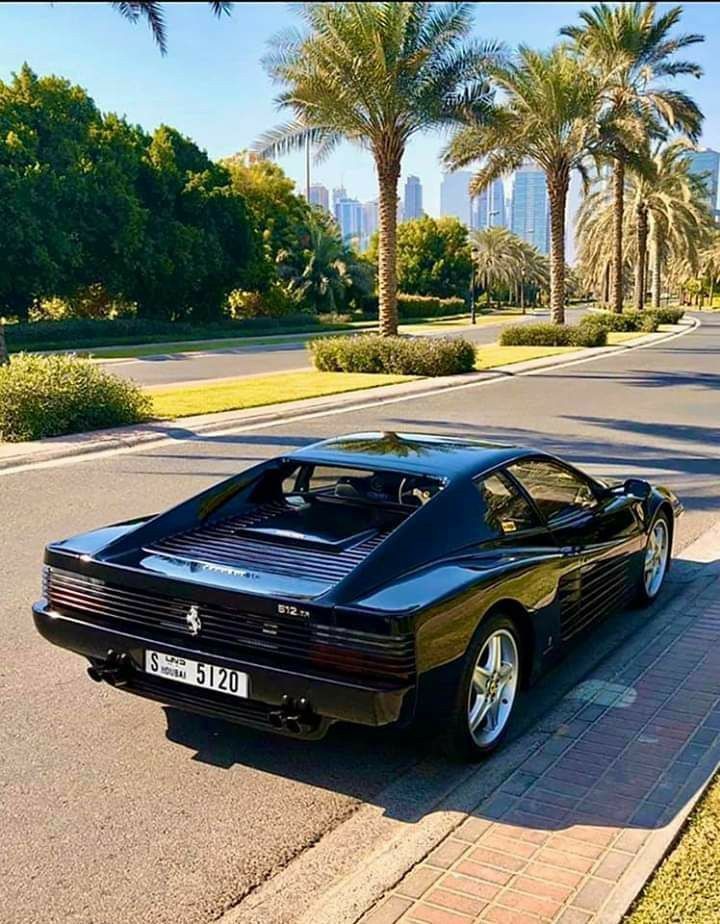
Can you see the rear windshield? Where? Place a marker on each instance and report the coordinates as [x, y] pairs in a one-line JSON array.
[[365, 486]]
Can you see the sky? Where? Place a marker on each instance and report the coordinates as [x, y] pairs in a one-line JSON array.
[[212, 86]]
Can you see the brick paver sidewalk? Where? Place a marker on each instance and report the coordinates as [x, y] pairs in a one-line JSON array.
[[567, 837]]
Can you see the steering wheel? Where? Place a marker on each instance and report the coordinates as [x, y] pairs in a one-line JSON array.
[[410, 494]]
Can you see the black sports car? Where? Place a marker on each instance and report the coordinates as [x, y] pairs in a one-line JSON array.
[[372, 578]]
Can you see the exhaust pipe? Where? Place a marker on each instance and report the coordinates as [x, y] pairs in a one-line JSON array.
[[112, 670], [294, 717]]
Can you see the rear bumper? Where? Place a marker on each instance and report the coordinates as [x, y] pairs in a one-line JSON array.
[[270, 688]]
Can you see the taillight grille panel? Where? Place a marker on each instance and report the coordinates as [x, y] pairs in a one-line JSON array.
[[290, 638]]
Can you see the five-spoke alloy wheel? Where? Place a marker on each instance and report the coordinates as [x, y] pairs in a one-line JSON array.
[[487, 690], [656, 559], [494, 683]]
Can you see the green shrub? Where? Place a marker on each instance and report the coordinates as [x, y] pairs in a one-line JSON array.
[[667, 315], [430, 356], [626, 322], [54, 395], [584, 335]]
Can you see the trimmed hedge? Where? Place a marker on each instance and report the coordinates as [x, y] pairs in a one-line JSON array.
[[626, 322], [584, 335], [53, 395], [85, 333], [423, 306], [668, 315], [427, 356]]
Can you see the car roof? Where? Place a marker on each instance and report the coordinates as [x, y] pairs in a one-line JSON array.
[[427, 453]]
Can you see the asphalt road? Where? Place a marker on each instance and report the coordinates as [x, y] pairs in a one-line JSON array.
[[115, 810], [173, 368]]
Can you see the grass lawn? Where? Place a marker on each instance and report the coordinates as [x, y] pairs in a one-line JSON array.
[[685, 889], [493, 355], [238, 394]]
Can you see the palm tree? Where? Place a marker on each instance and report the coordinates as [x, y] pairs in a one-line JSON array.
[[495, 259], [532, 267], [710, 263], [154, 14], [375, 74], [550, 115], [326, 276], [632, 48], [669, 221]]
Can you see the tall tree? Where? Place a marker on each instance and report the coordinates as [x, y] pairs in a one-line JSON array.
[[633, 49], [154, 15], [496, 258], [375, 74], [668, 221], [549, 114], [433, 256]]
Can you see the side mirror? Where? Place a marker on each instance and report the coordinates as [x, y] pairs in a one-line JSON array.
[[636, 487]]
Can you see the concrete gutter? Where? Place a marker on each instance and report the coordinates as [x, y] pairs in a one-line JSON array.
[[19, 455]]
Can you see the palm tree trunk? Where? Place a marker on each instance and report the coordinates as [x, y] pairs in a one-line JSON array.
[[3, 345], [618, 216], [642, 236], [387, 249], [557, 186], [655, 256]]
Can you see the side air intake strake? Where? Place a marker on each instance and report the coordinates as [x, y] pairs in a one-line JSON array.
[[225, 543]]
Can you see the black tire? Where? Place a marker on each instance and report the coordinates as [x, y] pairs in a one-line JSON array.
[[458, 742], [644, 595]]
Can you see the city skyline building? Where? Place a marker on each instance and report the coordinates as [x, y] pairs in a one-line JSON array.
[[705, 164], [320, 195], [349, 217], [488, 208], [530, 206], [369, 221], [455, 196], [413, 204]]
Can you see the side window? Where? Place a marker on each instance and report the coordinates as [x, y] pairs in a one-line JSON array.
[[554, 489], [506, 510]]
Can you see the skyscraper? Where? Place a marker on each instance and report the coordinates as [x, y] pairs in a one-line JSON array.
[[369, 222], [705, 164], [455, 195], [530, 209], [413, 198], [349, 216], [488, 208], [319, 195], [337, 194]]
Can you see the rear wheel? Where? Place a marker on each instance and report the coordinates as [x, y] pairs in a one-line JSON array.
[[487, 691], [655, 560]]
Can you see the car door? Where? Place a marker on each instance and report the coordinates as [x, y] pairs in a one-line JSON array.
[[597, 532]]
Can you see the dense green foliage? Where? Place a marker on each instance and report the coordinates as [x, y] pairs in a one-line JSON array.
[[52, 395], [397, 355], [583, 335], [86, 198], [433, 257], [99, 218]]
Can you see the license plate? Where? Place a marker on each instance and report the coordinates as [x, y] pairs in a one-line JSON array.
[[197, 673]]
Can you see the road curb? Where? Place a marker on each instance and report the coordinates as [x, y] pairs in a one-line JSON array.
[[17, 456], [366, 857]]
